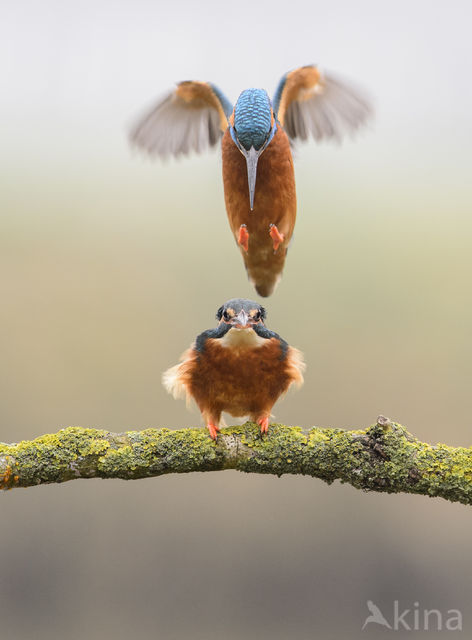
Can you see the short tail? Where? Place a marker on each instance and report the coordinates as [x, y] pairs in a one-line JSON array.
[[264, 273], [266, 288]]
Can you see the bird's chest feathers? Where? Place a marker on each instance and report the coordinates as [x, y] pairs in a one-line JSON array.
[[240, 353], [241, 373]]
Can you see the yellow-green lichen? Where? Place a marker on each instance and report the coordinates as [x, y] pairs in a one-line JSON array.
[[155, 451], [384, 457]]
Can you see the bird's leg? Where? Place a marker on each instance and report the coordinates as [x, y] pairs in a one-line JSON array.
[[243, 237], [263, 422], [213, 429], [212, 419], [277, 237]]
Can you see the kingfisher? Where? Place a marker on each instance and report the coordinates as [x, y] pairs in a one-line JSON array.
[[257, 134], [240, 367]]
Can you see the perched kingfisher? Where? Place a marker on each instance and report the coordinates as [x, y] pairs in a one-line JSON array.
[[240, 367], [257, 135]]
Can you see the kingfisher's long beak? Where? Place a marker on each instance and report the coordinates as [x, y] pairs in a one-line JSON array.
[[252, 156]]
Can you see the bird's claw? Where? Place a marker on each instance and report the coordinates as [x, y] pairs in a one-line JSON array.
[[277, 237], [243, 237], [213, 429], [263, 422]]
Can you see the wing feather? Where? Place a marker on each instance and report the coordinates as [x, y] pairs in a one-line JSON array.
[[190, 118], [310, 103]]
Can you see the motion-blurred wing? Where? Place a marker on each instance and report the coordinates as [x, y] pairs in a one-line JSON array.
[[308, 102], [191, 118]]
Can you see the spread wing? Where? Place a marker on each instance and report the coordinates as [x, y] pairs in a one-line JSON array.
[[309, 102], [190, 118]]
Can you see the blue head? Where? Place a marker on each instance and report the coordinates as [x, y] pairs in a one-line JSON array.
[[252, 118], [252, 130]]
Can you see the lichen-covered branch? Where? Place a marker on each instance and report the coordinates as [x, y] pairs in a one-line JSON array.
[[384, 457]]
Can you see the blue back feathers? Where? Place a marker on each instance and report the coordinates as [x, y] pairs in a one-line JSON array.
[[252, 118]]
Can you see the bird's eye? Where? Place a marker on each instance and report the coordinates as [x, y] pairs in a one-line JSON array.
[[257, 315], [225, 315]]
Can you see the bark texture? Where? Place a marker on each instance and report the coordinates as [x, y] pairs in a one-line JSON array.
[[384, 457]]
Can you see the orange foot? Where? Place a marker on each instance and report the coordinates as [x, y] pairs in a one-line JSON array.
[[213, 429], [243, 238], [263, 421], [277, 237]]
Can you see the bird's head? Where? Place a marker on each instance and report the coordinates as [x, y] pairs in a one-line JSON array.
[[240, 313], [252, 127]]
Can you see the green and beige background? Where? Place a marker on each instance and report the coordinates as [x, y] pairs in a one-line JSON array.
[[111, 264]]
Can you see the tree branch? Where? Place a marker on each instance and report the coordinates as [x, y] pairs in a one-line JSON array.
[[384, 457]]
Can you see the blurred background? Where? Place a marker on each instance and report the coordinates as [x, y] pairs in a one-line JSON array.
[[110, 265]]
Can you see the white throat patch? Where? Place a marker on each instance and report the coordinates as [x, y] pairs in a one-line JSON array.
[[242, 338]]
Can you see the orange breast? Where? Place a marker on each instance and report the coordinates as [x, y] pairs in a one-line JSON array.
[[274, 203], [239, 381]]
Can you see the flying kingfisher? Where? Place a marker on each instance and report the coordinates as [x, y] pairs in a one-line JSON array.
[[240, 367], [258, 176]]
